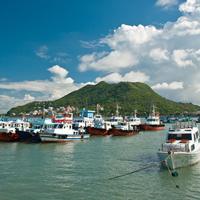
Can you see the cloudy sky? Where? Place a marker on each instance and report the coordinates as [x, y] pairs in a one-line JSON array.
[[51, 48]]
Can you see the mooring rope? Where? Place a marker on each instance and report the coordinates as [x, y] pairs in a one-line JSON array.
[[171, 154], [165, 161], [137, 170]]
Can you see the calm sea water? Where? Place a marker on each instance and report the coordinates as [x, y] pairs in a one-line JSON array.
[[81, 170]]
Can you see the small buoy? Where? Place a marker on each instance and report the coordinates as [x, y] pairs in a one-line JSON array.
[[174, 173]]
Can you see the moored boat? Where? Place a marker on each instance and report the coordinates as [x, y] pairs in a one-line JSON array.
[[100, 128], [123, 129], [153, 122], [135, 121], [62, 133], [26, 136], [182, 147], [8, 129], [85, 119]]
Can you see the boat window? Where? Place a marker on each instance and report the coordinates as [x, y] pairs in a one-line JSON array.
[[60, 125], [180, 136], [55, 125]]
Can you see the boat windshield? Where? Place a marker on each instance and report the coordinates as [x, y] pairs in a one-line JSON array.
[[180, 136]]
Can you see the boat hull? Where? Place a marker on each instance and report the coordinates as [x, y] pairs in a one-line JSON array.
[[96, 131], [120, 132], [8, 136], [56, 138], [147, 127], [180, 159], [25, 136]]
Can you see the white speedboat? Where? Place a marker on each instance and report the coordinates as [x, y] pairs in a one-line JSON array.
[[182, 147], [62, 132]]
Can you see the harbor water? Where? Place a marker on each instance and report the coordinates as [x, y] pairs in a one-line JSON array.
[[81, 170]]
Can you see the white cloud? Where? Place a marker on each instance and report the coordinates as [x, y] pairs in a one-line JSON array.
[[112, 62], [28, 97], [3, 79], [180, 57], [190, 6], [172, 86], [60, 75], [41, 52], [159, 54], [166, 3], [130, 77]]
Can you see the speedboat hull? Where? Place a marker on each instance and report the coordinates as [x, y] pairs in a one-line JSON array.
[[51, 138], [179, 159]]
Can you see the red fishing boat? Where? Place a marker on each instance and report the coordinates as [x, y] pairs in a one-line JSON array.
[[100, 128]]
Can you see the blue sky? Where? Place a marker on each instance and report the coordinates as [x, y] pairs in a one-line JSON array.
[[51, 48]]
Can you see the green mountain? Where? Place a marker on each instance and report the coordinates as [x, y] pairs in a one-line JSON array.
[[129, 96]]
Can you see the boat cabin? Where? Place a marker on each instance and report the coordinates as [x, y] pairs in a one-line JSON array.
[[102, 125], [182, 138], [62, 129]]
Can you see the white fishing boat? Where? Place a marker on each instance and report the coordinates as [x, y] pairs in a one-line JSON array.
[[153, 122], [62, 132], [116, 119], [182, 147], [135, 121]]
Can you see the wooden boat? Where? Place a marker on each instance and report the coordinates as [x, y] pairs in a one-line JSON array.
[[181, 147]]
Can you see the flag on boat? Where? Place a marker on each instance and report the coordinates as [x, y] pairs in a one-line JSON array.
[[52, 117]]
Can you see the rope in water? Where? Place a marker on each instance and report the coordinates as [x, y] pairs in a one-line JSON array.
[[165, 161], [169, 168]]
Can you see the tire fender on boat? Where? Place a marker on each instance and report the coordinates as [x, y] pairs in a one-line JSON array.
[[9, 134], [4, 134]]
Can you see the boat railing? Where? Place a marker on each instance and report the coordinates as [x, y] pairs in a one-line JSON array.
[[177, 147], [180, 125]]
